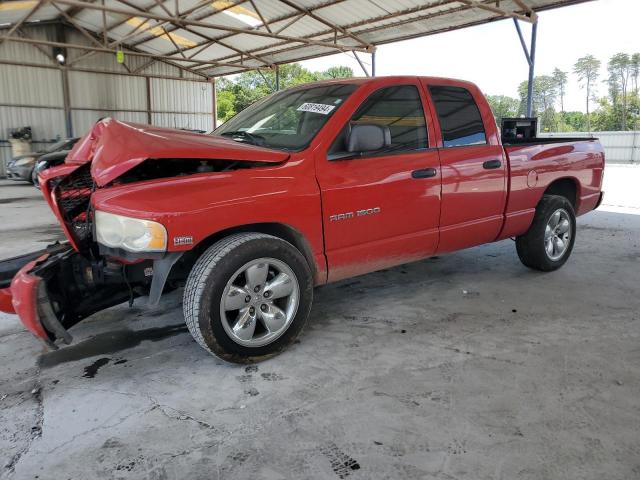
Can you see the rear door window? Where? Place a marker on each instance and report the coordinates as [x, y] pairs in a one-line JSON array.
[[459, 116]]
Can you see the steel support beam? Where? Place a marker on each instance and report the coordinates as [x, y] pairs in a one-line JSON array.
[[128, 52], [532, 67], [373, 63], [530, 55], [135, 73], [214, 103], [378, 26], [496, 10], [277, 78], [66, 102], [26, 17], [147, 83], [196, 23], [364, 69]]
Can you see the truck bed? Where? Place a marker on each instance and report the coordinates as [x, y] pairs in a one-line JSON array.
[[542, 140]]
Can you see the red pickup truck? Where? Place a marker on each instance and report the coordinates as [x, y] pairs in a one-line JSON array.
[[310, 185]]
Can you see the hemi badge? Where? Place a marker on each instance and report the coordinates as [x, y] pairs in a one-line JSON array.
[[182, 241]]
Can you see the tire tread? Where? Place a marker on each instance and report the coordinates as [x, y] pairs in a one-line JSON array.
[[197, 278], [530, 246]]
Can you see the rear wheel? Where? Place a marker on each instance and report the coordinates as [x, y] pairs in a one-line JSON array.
[[248, 297], [549, 241]]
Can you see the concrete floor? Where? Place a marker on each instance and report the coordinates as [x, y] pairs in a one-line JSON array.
[[467, 366]]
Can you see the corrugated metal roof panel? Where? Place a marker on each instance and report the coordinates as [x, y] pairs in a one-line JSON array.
[[373, 21]]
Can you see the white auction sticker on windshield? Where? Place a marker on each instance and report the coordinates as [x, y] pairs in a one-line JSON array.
[[316, 108]]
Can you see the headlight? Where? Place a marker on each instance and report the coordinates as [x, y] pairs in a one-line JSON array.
[[131, 234], [24, 161]]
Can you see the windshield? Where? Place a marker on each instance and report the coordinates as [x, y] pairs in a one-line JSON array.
[[287, 120]]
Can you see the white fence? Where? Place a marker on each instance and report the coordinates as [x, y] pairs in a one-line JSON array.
[[619, 147]]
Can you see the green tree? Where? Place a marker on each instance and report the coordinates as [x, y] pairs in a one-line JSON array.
[[238, 93], [635, 71], [337, 72], [560, 78], [503, 107], [620, 72], [587, 69], [544, 95], [226, 105], [574, 122]]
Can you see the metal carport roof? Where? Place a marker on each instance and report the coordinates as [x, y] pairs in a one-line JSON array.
[[220, 37]]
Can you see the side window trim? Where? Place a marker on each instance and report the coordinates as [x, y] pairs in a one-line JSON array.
[[438, 121], [425, 107]]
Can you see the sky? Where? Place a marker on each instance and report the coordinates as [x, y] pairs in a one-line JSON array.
[[491, 56]]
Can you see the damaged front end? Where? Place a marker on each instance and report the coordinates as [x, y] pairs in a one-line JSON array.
[[53, 289]]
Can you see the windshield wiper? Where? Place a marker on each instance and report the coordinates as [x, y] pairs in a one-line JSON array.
[[247, 137]]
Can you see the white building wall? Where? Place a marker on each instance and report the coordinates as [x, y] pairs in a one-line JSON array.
[[31, 93], [619, 147]]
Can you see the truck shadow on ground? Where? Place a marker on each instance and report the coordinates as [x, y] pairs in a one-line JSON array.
[[109, 343]]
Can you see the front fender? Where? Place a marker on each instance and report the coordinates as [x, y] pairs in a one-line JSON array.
[[196, 207]]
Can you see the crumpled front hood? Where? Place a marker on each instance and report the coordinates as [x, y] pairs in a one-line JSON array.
[[115, 147]]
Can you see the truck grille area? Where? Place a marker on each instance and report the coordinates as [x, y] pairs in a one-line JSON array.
[[73, 196]]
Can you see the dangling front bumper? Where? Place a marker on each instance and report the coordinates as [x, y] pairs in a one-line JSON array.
[[23, 292], [53, 289]]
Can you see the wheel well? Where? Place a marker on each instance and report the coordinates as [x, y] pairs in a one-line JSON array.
[[279, 230], [565, 187]]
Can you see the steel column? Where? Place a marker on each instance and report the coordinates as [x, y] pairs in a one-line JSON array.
[[373, 63], [532, 66], [214, 103], [66, 102], [530, 55], [364, 69], [148, 91], [277, 78]]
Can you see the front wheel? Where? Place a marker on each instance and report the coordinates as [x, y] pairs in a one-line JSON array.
[[549, 241], [248, 297]]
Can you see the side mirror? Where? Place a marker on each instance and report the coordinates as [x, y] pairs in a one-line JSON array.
[[368, 138]]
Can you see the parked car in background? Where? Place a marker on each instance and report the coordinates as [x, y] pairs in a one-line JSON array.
[[311, 185], [23, 166], [49, 160]]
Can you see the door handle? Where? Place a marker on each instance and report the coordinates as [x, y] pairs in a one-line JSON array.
[[424, 173], [491, 164]]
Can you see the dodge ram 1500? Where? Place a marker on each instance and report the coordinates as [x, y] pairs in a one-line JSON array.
[[310, 185]]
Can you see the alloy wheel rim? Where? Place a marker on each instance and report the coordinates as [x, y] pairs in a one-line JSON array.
[[259, 302], [557, 234]]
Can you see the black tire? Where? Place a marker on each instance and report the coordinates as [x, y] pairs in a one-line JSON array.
[[208, 279], [531, 246]]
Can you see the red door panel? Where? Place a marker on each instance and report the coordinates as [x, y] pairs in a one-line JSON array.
[[474, 175], [473, 197], [398, 220]]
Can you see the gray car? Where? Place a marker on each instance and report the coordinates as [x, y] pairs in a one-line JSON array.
[[22, 167]]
